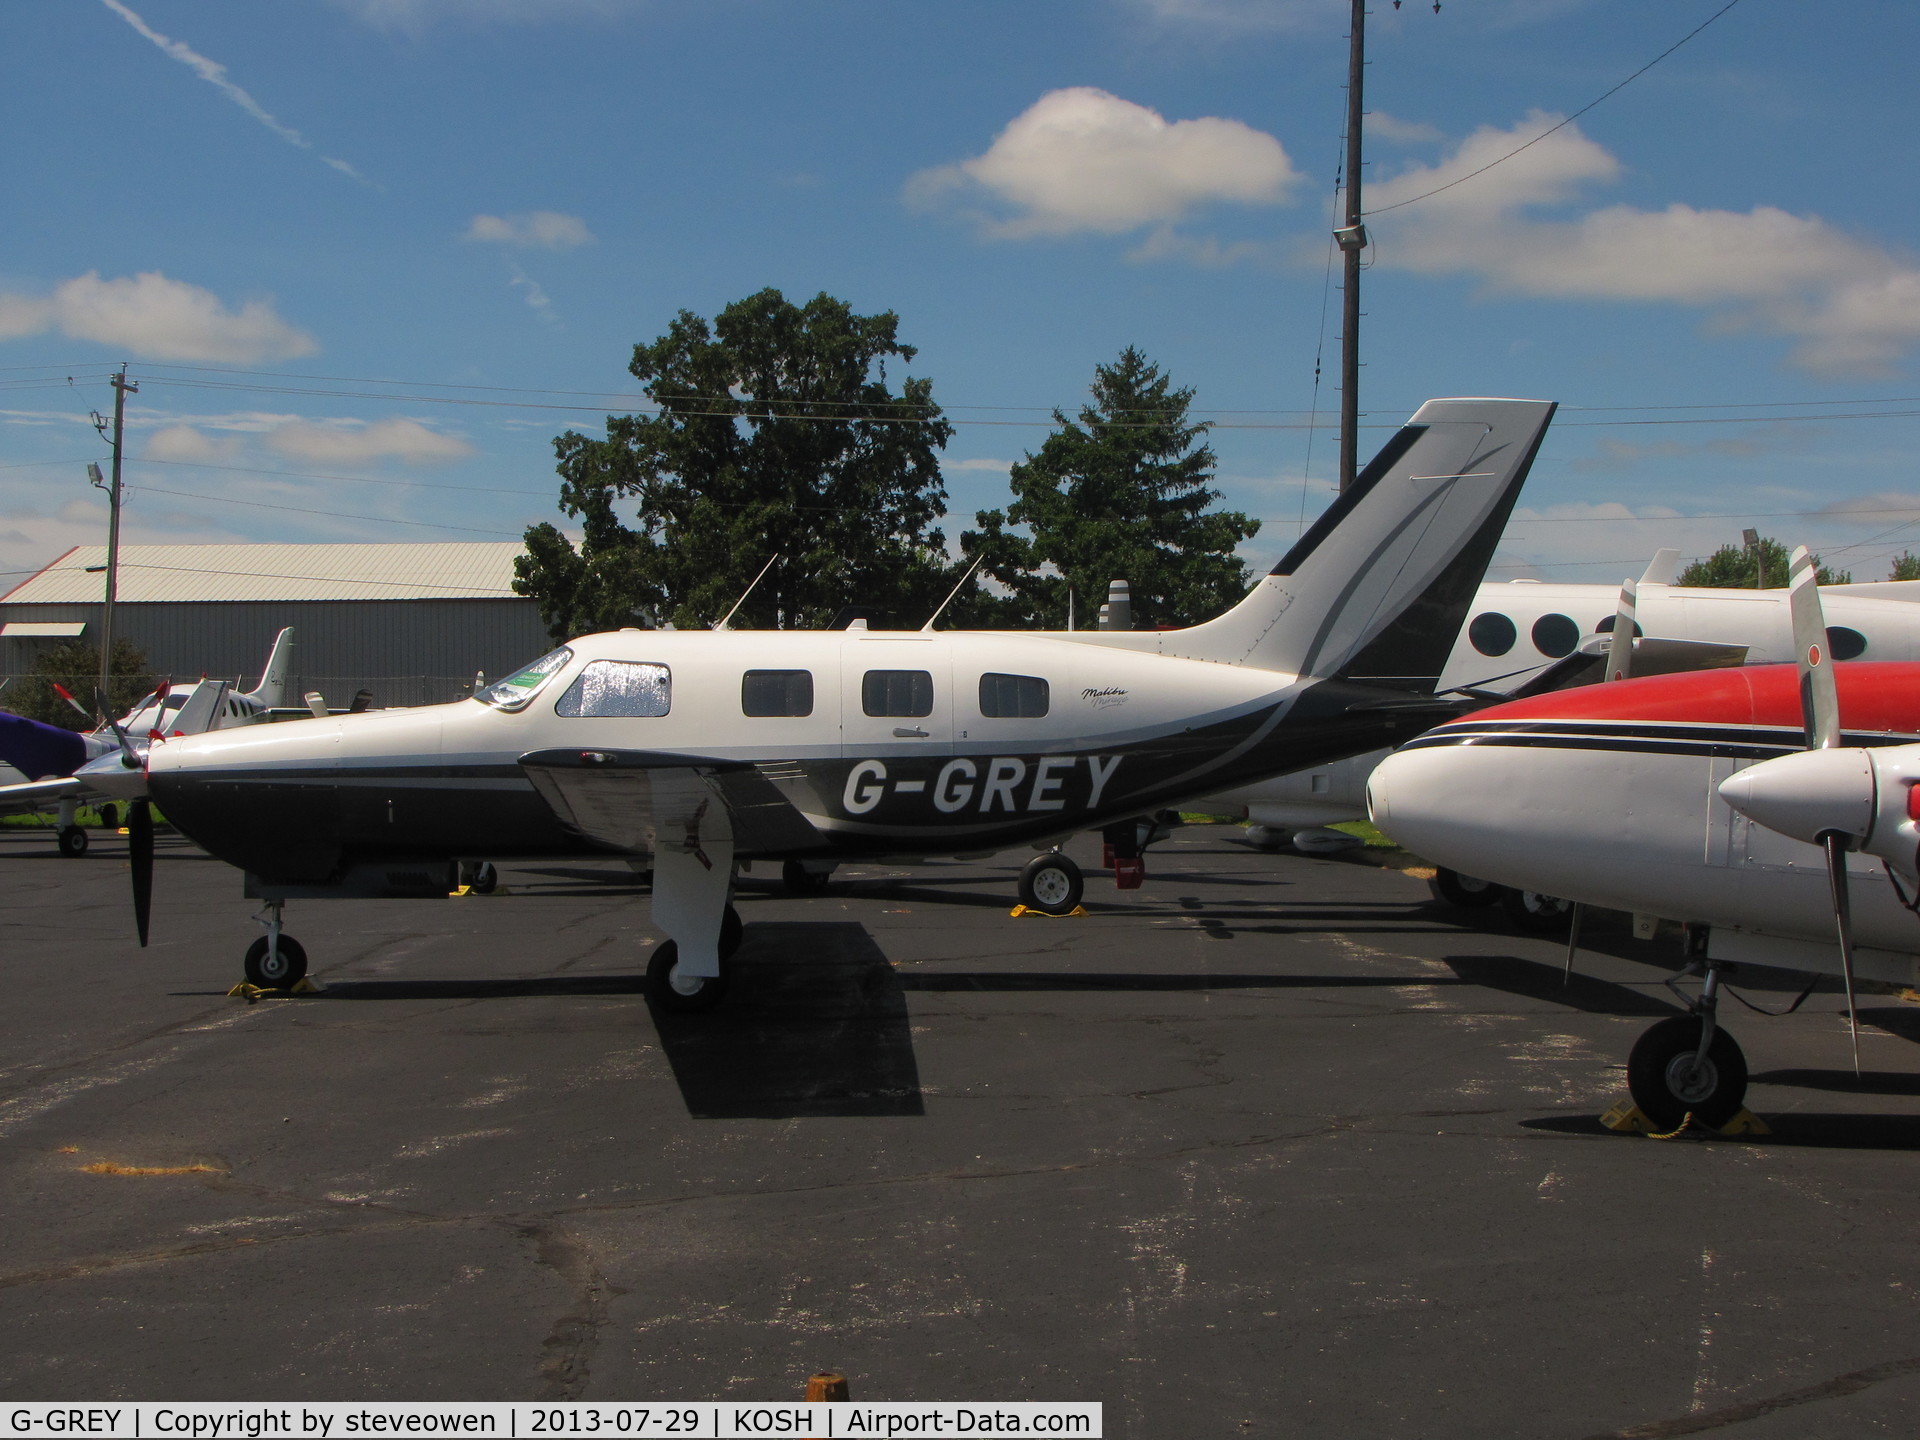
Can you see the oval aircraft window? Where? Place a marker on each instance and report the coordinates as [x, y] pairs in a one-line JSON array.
[[907, 693], [1845, 644], [1555, 635], [1492, 633], [625, 688], [776, 692], [1013, 697], [1605, 627]]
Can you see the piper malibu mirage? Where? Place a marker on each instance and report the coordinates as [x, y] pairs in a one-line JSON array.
[[703, 749], [1771, 810]]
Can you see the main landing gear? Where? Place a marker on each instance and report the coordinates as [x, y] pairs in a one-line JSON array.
[[806, 877], [670, 989], [1688, 1065], [1052, 884], [275, 961]]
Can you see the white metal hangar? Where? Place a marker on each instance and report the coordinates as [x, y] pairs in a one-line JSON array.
[[410, 622]]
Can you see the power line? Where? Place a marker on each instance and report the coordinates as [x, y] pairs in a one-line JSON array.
[[1402, 204]]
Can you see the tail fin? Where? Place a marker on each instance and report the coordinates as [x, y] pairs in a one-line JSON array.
[[273, 681], [1378, 587]]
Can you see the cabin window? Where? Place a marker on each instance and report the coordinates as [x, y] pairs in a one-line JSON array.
[[776, 692], [1013, 697], [1605, 627], [1555, 635], [624, 688], [1492, 633], [516, 692], [1844, 643], [897, 692]]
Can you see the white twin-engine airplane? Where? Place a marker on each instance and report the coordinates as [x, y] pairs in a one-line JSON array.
[[703, 749], [1772, 809]]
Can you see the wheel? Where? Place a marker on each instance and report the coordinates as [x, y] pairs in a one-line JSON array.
[[797, 879], [668, 989], [1531, 910], [1051, 884], [485, 879], [732, 932], [1463, 891], [1667, 1085], [279, 971], [73, 841], [109, 817]]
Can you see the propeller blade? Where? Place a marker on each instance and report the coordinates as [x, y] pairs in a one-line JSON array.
[[1819, 699], [140, 862], [1836, 848], [1620, 647]]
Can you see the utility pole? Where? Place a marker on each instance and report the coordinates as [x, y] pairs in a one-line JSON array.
[[122, 387], [1351, 237]]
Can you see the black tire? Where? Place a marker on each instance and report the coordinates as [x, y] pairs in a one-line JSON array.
[[281, 972], [683, 996], [72, 841], [485, 879], [1658, 1075], [732, 932], [1531, 910], [1463, 892], [109, 817], [1052, 884], [797, 879]]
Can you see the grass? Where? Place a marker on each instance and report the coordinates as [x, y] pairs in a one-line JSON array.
[[1366, 832], [86, 817]]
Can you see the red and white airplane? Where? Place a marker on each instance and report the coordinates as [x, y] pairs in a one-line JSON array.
[[1771, 809]]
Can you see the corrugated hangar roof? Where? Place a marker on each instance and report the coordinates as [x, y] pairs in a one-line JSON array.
[[158, 574]]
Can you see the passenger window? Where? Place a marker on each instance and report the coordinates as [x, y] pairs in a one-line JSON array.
[[1844, 643], [1013, 697], [618, 688], [1492, 633], [897, 692], [776, 692], [1555, 635]]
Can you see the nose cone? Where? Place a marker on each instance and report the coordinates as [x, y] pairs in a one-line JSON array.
[[111, 775], [1807, 795]]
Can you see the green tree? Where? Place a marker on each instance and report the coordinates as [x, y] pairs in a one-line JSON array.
[[1733, 567], [1120, 494], [776, 436], [76, 665], [1906, 566]]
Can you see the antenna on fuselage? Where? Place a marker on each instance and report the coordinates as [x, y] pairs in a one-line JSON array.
[[721, 623], [955, 591]]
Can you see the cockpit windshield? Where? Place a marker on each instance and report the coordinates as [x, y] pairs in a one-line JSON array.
[[516, 692]]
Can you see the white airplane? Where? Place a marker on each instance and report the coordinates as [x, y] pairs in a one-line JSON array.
[[38, 761], [1770, 809], [1519, 628], [703, 749]]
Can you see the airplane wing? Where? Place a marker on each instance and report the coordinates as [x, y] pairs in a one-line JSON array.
[[39, 794], [626, 798]]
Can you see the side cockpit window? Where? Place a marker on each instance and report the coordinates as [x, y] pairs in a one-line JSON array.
[[628, 689], [1013, 697], [516, 692]]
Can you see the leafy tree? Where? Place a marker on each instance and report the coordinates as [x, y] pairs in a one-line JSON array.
[[1732, 567], [1119, 494], [76, 665], [776, 436], [1906, 566]]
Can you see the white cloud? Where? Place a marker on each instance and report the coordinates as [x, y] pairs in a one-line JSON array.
[[215, 75], [997, 467], [416, 15], [1849, 305], [350, 442], [157, 318], [187, 445], [533, 229], [1382, 126], [1085, 161]]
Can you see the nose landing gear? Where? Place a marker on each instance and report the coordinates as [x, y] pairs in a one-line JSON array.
[[1688, 1065], [275, 961]]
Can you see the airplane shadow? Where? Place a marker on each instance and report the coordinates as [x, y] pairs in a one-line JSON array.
[[1535, 981], [815, 1024], [1868, 1082], [538, 986], [1011, 980], [1799, 1128]]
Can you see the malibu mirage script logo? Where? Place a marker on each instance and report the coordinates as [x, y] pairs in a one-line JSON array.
[[1102, 698]]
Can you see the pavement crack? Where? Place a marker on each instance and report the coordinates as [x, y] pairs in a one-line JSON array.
[[1851, 1383], [569, 1346]]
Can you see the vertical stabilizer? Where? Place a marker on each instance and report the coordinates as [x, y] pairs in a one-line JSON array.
[[1378, 587], [273, 682]]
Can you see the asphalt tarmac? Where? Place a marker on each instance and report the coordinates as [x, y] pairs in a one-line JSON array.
[[1271, 1147]]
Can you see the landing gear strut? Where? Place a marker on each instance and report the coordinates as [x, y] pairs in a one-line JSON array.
[[72, 839], [275, 961], [671, 989], [1688, 1065]]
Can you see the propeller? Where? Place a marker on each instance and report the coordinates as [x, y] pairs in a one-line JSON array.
[[1829, 795], [111, 773]]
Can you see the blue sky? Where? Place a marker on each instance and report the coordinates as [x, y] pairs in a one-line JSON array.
[[510, 193]]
